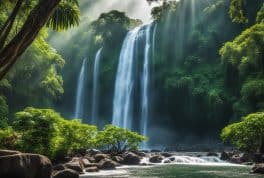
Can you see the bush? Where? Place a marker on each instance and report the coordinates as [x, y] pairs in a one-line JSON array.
[[73, 135], [45, 132], [118, 140], [247, 135], [8, 138]]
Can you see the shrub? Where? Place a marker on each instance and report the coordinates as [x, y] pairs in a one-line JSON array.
[[73, 135], [8, 138], [247, 135], [118, 140], [45, 132]]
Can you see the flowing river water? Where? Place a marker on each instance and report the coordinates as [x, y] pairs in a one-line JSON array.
[[182, 166]]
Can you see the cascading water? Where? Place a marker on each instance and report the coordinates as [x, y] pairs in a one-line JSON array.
[[95, 86], [192, 160], [154, 40], [79, 105], [145, 83], [125, 79], [122, 115]]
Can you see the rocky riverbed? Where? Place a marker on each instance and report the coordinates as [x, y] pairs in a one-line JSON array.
[[97, 163]]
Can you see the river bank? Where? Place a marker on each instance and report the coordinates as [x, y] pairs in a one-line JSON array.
[[96, 163]]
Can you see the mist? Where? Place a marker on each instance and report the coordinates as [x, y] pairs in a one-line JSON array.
[[91, 10]]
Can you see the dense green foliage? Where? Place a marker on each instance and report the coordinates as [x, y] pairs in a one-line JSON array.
[[45, 132], [9, 138], [22, 22], [196, 89], [248, 134], [118, 139], [243, 58], [35, 80], [207, 65], [188, 72]]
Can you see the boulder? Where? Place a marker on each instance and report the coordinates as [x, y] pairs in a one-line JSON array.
[[107, 164], [92, 165], [67, 173], [99, 157], [166, 154], [92, 169], [258, 169], [75, 159], [93, 152], [258, 158], [67, 159], [25, 166], [58, 167], [131, 159], [171, 158], [91, 159], [246, 157], [8, 152], [84, 162], [118, 159], [236, 159], [224, 156], [156, 159], [167, 161], [76, 166], [142, 154]]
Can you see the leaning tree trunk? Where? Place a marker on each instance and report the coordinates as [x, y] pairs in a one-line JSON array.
[[29, 31]]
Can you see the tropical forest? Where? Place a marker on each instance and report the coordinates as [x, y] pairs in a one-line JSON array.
[[131, 88]]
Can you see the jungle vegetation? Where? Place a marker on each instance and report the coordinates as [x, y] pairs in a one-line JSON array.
[[215, 79]]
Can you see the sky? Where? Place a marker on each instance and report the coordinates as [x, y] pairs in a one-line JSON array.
[[139, 9]]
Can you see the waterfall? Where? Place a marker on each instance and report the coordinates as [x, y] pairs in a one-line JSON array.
[[95, 86], [154, 40], [122, 114], [79, 105], [145, 79]]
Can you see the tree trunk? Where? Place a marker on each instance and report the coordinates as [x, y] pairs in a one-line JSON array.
[[6, 28], [29, 31]]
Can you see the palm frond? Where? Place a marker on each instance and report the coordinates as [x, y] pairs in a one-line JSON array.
[[65, 16]]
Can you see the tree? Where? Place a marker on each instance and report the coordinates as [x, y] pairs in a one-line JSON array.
[[247, 135], [246, 51], [58, 14], [118, 140], [242, 11]]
